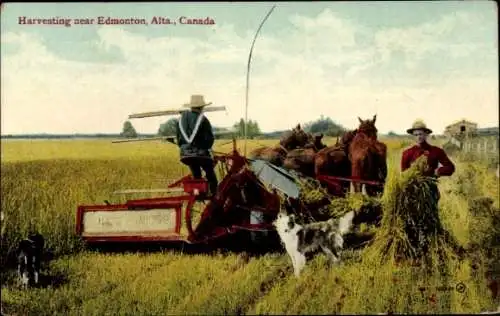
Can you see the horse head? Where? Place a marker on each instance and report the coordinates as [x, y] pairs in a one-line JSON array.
[[301, 136], [317, 141], [367, 127], [296, 138]]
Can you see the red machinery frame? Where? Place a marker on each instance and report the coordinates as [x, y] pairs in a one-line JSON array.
[[222, 202], [334, 183]]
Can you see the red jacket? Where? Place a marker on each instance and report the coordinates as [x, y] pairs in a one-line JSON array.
[[434, 155]]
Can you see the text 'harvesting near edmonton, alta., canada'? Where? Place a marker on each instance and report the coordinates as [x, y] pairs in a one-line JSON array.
[[106, 20]]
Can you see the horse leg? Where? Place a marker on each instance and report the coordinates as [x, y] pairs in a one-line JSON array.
[[356, 174]]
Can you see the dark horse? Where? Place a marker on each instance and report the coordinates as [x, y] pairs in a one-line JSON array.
[[290, 140], [368, 157], [302, 159]]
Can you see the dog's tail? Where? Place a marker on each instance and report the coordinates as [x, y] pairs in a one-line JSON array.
[[345, 223]]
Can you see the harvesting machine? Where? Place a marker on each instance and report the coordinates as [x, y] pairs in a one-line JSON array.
[[247, 199]]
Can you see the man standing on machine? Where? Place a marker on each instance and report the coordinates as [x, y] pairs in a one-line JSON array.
[[195, 140]]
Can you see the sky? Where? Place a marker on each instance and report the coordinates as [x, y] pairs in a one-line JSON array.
[[433, 60]]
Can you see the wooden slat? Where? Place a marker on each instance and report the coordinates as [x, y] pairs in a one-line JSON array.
[[170, 139], [129, 140], [173, 112]]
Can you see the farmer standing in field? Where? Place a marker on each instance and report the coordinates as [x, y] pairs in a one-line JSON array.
[[195, 140], [435, 155]]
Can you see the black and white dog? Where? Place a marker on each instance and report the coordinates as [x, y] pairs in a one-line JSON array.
[[29, 256], [303, 241]]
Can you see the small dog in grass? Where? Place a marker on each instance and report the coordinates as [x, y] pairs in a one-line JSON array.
[[29, 255], [303, 241]]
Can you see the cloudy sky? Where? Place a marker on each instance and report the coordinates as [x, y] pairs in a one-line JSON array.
[[400, 60]]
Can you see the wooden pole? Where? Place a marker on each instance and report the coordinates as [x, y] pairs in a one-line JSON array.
[[173, 112], [129, 140], [248, 78], [170, 139]]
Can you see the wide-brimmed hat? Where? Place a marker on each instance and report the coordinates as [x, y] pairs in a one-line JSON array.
[[197, 101], [419, 125]]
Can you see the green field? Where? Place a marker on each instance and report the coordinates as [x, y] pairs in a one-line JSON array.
[[43, 182]]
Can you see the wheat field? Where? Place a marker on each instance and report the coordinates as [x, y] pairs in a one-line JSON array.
[[43, 182]]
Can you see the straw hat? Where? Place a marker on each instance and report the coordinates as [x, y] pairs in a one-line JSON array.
[[197, 101], [419, 125]]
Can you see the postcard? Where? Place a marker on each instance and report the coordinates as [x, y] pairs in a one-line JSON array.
[[250, 158]]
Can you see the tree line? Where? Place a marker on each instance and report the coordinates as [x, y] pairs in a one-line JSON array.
[[323, 125]]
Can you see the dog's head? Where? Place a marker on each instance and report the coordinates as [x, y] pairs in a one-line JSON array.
[[286, 219]]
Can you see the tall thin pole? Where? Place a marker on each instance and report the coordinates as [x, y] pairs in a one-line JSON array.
[[248, 76]]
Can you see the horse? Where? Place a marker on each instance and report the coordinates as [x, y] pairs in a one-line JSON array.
[[302, 159], [290, 140], [334, 161], [368, 157], [296, 138]]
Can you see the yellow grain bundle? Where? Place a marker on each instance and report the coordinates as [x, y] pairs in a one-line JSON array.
[[411, 227], [319, 205]]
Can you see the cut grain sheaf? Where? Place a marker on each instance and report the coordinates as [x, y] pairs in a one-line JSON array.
[[411, 226]]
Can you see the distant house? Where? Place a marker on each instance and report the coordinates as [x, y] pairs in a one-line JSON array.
[[461, 128]]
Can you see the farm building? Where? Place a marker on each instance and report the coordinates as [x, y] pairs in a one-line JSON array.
[[470, 138], [461, 128]]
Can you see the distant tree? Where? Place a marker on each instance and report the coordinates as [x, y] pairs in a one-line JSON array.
[[128, 130], [219, 129], [224, 133], [168, 128], [326, 126], [392, 134], [253, 128]]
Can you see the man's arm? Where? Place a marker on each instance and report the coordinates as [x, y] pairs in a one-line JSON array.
[[405, 160], [210, 139], [447, 167]]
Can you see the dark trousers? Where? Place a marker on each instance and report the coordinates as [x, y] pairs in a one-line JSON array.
[[195, 165]]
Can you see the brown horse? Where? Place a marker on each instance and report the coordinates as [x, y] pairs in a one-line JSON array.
[[296, 138], [290, 140], [368, 157], [334, 161], [302, 159]]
